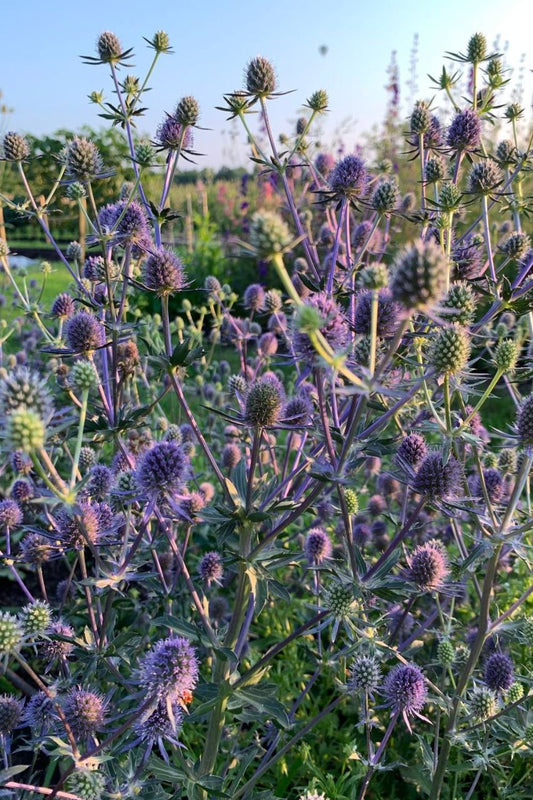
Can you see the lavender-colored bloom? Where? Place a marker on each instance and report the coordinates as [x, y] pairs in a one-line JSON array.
[[79, 527], [10, 515], [171, 135], [162, 470], [435, 479], [388, 313], [428, 566], [499, 672], [39, 713], [84, 332], [412, 449], [298, 411], [56, 649], [324, 163], [267, 344], [348, 177], [100, 481], [361, 534], [158, 726], [405, 691], [317, 546], [11, 712], [128, 224], [163, 272], [210, 568], [22, 491], [170, 670], [231, 455], [63, 306], [85, 711], [333, 328], [493, 483], [467, 259], [254, 297], [464, 133]]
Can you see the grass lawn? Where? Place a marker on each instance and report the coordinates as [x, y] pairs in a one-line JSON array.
[[48, 284]]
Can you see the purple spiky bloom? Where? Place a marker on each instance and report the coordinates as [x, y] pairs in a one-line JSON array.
[[334, 328], [412, 449], [436, 479], [210, 568], [499, 672], [464, 133], [10, 515], [84, 332], [128, 224], [171, 134], [405, 691], [388, 313], [158, 726], [254, 297], [79, 527], [85, 711], [63, 306], [428, 566], [324, 163], [162, 470], [170, 670], [163, 272], [348, 177], [493, 483], [317, 546]]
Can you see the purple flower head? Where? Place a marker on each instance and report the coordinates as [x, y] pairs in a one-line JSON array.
[[428, 567], [254, 297], [464, 133], [231, 455], [78, 527], [333, 328], [388, 313], [10, 515], [163, 272], [499, 672], [84, 332], [171, 135], [162, 470], [52, 649], [128, 224], [298, 411], [170, 670], [267, 344], [63, 306], [85, 711], [433, 136], [159, 726], [493, 483], [324, 163], [412, 449], [210, 568], [100, 481], [317, 546], [11, 712], [22, 491], [348, 177], [405, 691], [435, 479]]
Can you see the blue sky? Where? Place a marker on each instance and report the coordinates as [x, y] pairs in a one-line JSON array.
[[44, 80]]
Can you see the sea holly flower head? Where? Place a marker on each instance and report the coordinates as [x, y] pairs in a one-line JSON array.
[[405, 690]]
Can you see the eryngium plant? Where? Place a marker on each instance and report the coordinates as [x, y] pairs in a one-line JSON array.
[[256, 520]]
